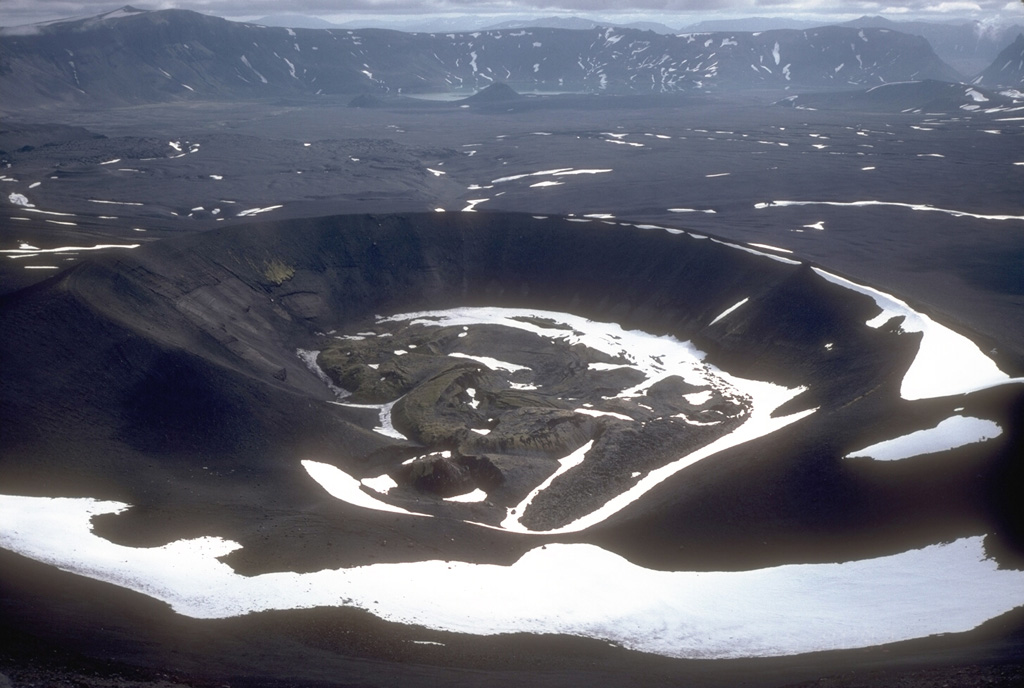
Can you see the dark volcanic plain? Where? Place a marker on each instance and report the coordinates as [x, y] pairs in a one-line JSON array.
[[165, 376], [725, 153]]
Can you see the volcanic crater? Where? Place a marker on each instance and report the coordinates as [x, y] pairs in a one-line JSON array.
[[359, 390]]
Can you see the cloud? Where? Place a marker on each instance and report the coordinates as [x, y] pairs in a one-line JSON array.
[[957, 7]]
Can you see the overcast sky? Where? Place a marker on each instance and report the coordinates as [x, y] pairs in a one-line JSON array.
[[675, 13]]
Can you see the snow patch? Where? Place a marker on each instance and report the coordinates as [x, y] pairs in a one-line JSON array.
[[952, 433], [770, 247], [947, 363], [729, 310], [24, 252], [256, 211], [341, 485], [492, 363], [472, 203], [976, 96], [553, 589], [474, 497], [911, 206], [245, 61]]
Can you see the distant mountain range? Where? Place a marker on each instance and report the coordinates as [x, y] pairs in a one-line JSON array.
[[576, 24], [968, 47], [441, 24], [1008, 68], [134, 56], [296, 21]]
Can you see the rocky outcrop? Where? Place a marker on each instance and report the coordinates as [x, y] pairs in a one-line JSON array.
[[434, 413], [443, 475], [495, 93]]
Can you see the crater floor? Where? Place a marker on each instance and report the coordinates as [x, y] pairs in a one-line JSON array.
[[538, 419]]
